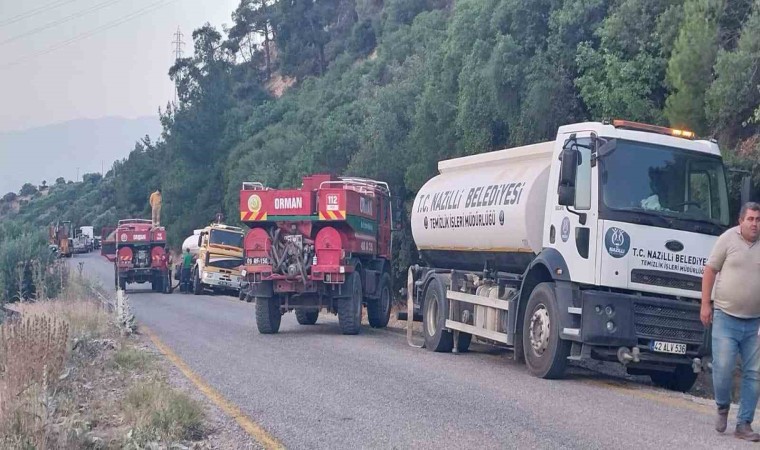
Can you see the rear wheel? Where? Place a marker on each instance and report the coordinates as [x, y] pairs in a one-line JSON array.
[[350, 308], [379, 309], [123, 284], [681, 379], [268, 316], [545, 353], [434, 314], [307, 317]]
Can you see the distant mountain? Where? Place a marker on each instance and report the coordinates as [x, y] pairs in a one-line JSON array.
[[56, 150]]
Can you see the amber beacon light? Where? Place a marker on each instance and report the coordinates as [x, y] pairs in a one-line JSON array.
[[637, 126]]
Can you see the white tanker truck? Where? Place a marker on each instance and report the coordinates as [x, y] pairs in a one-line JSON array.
[[589, 246]]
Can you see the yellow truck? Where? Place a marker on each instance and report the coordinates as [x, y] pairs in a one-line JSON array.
[[219, 255]]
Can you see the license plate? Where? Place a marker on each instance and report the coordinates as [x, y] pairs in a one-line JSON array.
[[669, 347]]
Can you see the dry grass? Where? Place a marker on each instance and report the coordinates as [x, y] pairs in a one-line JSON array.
[[68, 379], [129, 358], [159, 413], [32, 355]]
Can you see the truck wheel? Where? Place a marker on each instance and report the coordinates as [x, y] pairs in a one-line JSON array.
[[268, 316], [168, 283], [241, 295], [681, 379], [307, 317], [197, 287], [379, 309], [350, 308], [545, 353], [434, 314]]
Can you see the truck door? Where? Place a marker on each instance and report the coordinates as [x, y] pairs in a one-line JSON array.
[[383, 226], [573, 229]]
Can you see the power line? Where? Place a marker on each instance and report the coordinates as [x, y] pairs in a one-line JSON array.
[[35, 11], [150, 8], [60, 21]]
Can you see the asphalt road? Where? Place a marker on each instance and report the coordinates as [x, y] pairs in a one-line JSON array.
[[312, 387]]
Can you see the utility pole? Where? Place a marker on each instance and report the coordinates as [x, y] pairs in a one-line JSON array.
[[178, 43]]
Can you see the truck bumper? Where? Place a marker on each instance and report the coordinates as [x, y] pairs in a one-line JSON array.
[[220, 281], [611, 321]]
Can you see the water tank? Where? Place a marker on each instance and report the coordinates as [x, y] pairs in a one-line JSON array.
[[485, 209]]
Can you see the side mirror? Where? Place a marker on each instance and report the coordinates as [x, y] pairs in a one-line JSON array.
[[570, 158], [206, 258], [200, 240], [746, 189]]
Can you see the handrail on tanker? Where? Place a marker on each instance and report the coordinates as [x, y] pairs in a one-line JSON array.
[[135, 221], [253, 186], [361, 185]]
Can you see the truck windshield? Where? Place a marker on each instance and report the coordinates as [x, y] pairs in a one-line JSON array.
[[222, 237], [683, 187]]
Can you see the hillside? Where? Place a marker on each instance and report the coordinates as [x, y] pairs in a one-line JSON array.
[[445, 79], [52, 151]]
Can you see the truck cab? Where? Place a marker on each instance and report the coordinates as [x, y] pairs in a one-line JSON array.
[[635, 224], [219, 257]]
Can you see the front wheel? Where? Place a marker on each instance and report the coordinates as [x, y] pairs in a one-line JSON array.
[[197, 286], [545, 353], [268, 316]]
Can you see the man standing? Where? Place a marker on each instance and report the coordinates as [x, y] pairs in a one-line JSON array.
[[155, 205], [187, 264], [735, 261]]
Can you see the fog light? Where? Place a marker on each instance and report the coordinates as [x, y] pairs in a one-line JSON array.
[[609, 310], [611, 326], [598, 309]]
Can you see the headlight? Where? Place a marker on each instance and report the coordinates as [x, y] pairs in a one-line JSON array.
[[206, 274]]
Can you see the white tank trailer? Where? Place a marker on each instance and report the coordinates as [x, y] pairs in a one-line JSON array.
[[588, 246]]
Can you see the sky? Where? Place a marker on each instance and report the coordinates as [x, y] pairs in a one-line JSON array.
[[121, 69]]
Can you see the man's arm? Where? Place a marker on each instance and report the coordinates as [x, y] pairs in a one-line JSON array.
[[708, 282]]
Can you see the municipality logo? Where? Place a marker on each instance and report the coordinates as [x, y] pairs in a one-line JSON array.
[[617, 242]]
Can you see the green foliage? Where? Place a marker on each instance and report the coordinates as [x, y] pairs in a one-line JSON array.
[[28, 189], [25, 261], [690, 66], [734, 95], [386, 89]]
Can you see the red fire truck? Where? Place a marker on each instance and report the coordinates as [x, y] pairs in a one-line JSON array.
[[138, 251], [326, 245]]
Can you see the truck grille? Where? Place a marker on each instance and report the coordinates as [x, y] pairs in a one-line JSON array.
[[669, 323], [666, 279]]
